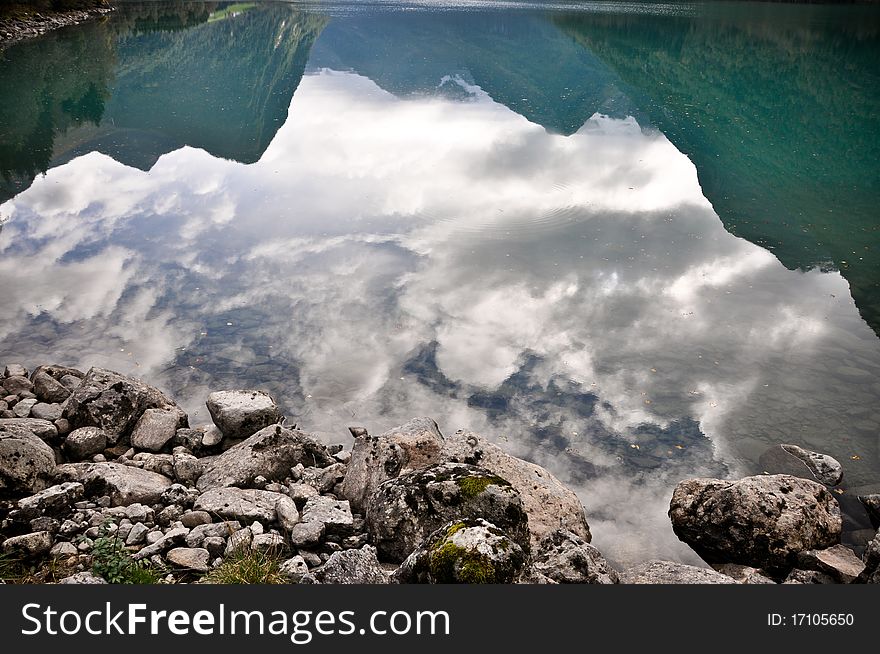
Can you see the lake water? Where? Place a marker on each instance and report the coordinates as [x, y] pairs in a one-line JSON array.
[[631, 242]]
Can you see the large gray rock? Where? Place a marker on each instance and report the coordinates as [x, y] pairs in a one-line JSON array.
[[352, 567], [418, 444], [248, 505], [334, 515], [374, 459], [402, 512], [14, 370], [760, 521], [270, 453], [48, 389], [668, 572], [239, 414], [838, 562], [549, 504], [563, 557], [114, 402], [196, 559], [40, 428], [154, 429], [187, 468], [84, 443], [307, 534], [469, 551], [83, 578], [125, 484], [27, 464], [22, 409], [15, 385], [294, 568], [44, 411], [29, 545], [53, 501]]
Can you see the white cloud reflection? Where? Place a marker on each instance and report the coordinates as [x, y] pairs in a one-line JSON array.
[[375, 229]]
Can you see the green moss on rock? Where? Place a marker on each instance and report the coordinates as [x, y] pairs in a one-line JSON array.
[[473, 486]]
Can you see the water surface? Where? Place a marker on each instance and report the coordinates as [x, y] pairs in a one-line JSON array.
[[560, 226]]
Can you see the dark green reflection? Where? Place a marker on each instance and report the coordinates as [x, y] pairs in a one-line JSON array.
[[778, 108], [153, 78], [519, 58], [49, 86]]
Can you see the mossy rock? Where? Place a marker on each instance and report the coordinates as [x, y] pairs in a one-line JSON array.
[[402, 512], [467, 551]]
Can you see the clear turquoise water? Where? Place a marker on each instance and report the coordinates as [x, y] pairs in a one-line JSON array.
[[631, 242]]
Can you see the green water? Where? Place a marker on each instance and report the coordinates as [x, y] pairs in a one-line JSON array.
[[631, 242]]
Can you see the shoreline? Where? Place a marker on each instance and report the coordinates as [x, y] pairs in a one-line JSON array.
[[26, 24], [103, 479]]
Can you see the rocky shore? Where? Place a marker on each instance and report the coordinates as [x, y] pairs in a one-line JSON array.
[[24, 23], [102, 479]]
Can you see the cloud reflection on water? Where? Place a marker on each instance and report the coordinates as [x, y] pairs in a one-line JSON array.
[[575, 298]]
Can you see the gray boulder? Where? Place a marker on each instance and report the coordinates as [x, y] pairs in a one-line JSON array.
[[83, 578], [268, 543], [270, 453], [48, 389], [22, 409], [27, 464], [352, 567], [155, 428], [374, 459], [187, 468], [563, 557], [15, 385], [403, 512], [760, 521], [14, 370], [114, 402], [418, 444], [125, 484], [247, 505], [294, 568], [43, 411], [549, 504], [84, 443], [468, 551], [838, 562], [196, 559], [53, 501], [668, 572], [239, 414], [29, 545], [40, 428], [334, 515], [307, 534]]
